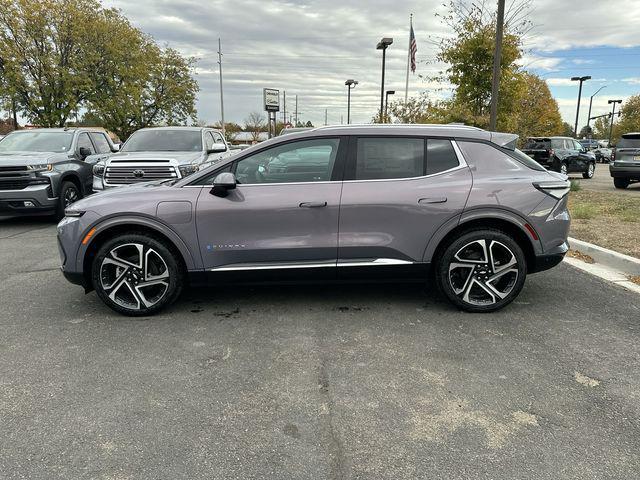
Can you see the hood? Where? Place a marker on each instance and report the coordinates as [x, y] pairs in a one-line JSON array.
[[182, 158], [29, 158], [119, 194]]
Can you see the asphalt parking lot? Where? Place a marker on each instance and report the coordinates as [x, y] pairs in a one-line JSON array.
[[324, 382], [602, 182]]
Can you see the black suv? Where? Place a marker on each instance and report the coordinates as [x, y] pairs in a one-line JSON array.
[[561, 154], [625, 165]]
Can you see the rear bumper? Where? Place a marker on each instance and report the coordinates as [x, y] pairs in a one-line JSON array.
[[550, 259], [36, 196], [627, 171]]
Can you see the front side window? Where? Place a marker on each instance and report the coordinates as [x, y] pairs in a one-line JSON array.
[[440, 156], [56, 142], [164, 140], [387, 158], [217, 138], [208, 141], [304, 161], [85, 141], [101, 142]]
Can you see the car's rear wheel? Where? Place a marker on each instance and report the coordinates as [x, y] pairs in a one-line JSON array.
[[482, 270], [591, 169], [621, 182], [137, 274]]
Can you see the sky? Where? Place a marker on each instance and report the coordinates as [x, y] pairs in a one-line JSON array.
[[309, 48]]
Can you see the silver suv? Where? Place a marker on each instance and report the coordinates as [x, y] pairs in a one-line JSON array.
[[459, 204]]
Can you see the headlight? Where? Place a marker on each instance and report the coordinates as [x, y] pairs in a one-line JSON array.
[[69, 212], [98, 169], [186, 170], [41, 167]]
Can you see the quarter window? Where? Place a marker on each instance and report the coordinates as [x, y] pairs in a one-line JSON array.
[[388, 158], [440, 156], [304, 161]]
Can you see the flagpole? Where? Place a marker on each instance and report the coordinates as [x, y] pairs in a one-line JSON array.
[[406, 85]]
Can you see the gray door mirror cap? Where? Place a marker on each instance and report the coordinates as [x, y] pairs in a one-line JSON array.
[[224, 182], [84, 152]]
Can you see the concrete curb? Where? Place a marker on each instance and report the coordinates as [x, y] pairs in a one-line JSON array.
[[617, 261]]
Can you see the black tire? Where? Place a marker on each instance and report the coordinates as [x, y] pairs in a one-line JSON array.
[[621, 182], [509, 279], [590, 171], [127, 295], [69, 193]]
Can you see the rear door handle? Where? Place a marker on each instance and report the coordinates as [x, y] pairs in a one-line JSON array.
[[313, 204], [432, 200]]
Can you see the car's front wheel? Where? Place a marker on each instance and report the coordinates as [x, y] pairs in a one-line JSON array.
[[482, 270], [591, 169], [137, 274], [69, 194]]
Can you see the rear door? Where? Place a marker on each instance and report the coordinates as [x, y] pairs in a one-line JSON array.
[[397, 192], [283, 213]]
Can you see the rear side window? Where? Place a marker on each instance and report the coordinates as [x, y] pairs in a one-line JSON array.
[[557, 143], [388, 158], [537, 144], [489, 159], [102, 145], [440, 156], [629, 141]]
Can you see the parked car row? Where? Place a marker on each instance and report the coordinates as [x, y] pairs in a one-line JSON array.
[[43, 171]]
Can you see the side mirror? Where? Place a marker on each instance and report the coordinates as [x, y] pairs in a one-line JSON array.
[[224, 182], [84, 152], [116, 147], [217, 148]]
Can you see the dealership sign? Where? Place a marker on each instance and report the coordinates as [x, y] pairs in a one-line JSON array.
[[271, 100]]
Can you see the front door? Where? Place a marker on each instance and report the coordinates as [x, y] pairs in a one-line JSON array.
[[283, 214], [397, 192]]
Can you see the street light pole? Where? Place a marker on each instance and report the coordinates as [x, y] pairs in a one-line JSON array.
[[350, 84], [221, 95], [383, 45], [495, 86], [386, 101], [613, 113], [579, 79], [590, 104]]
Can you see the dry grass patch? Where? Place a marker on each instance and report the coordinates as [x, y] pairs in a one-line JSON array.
[[608, 219]]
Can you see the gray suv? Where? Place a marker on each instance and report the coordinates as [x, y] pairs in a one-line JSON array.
[[459, 204], [42, 171]]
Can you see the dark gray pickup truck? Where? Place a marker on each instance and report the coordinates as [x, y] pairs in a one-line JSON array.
[[42, 171]]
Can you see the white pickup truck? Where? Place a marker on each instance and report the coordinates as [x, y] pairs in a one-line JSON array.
[[159, 153]]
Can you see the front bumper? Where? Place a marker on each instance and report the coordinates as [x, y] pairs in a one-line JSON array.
[[37, 198]]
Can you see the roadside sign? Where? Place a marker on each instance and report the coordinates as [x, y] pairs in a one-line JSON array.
[[271, 99]]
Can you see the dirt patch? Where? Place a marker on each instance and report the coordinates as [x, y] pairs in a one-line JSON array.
[[584, 380], [635, 279], [580, 256], [608, 219]]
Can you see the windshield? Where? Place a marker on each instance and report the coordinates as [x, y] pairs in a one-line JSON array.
[[627, 141], [164, 141], [56, 142]]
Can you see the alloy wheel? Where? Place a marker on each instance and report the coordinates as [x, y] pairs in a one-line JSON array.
[[71, 195], [563, 169], [134, 276], [483, 272], [591, 170]]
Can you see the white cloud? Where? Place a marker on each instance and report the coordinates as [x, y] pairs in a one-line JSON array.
[[632, 80]]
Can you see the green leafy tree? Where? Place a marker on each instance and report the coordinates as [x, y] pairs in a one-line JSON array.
[[566, 130], [536, 111]]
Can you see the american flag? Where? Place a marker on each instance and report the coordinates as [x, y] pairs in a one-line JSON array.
[[413, 48]]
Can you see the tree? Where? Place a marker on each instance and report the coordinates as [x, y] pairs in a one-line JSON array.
[[566, 130], [308, 124], [629, 120], [231, 130], [585, 132], [254, 124], [601, 127], [536, 111], [60, 56], [469, 54]]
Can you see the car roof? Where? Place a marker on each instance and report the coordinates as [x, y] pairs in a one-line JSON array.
[[193, 129]]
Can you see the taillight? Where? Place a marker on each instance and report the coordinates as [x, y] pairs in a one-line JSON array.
[[613, 155], [556, 189]]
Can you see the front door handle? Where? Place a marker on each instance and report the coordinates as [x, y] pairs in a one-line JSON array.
[[313, 204], [432, 200]]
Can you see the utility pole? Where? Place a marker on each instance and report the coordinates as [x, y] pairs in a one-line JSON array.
[[296, 124], [578, 79], [284, 108], [221, 95], [495, 86], [613, 114], [325, 116], [383, 45], [341, 119]]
